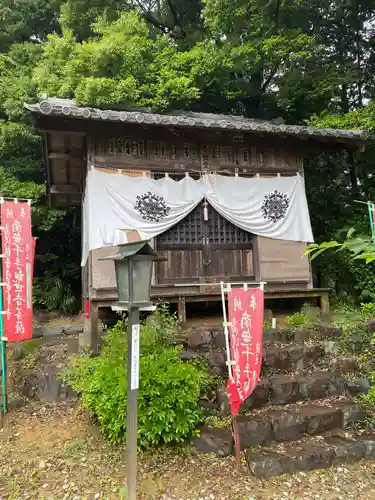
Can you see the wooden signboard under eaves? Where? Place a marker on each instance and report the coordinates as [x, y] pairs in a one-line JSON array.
[[206, 152], [68, 155]]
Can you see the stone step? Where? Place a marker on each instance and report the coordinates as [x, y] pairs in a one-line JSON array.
[[308, 454], [213, 336], [50, 331], [277, 357], [292, 356], [295, 421], [281, 424], [315, 332], [287, 389], [282, 358]]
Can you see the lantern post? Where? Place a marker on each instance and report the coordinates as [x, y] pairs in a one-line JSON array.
[[133, 266]]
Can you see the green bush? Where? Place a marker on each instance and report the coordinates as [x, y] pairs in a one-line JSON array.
[[53, 294], [297, 320], [368, 310], [169, 389], [369, 398], [368, 358]]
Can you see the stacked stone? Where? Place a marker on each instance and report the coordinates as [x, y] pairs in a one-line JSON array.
[[300, 413]]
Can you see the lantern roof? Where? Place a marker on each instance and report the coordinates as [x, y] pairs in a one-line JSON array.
[[126, 250]]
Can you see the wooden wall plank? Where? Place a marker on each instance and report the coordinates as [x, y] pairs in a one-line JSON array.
[[183, 266], [281, 260], [103, 271]]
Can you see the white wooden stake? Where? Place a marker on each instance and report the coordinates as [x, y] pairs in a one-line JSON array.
[[226, 331]]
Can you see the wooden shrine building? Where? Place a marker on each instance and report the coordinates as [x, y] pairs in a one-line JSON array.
[[203, 247]]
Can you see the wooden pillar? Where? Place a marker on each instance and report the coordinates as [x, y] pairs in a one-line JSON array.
[[181, 309], [90, 336], [324, 302]]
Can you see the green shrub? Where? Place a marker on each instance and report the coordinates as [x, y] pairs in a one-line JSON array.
[[53, 294], [169, 389], [368, 310], [297, 320], [369, 398]]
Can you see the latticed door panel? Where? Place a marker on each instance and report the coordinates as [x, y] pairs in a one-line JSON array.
[[182, 247], [229, 253], [222, 232], [204, 245], [189, 231]]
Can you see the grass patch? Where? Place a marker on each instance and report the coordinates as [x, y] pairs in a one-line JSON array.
[[24, 348], [30, 346], [78, 446], [217, 421]]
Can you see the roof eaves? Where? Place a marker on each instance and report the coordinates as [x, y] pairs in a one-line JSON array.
[[67, 108]]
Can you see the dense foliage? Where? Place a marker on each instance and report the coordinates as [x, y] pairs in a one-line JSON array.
[[169, 388], [358, 248], [291, 60]]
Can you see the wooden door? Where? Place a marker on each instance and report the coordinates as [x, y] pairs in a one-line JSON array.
[[229, 249], [204, 247], [182, 247]]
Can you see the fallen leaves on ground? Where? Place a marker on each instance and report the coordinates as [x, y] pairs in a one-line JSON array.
[[56, 453]]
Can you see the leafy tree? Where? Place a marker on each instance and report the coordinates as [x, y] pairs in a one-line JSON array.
[[16, 83], [57, 285], [79, 15], [181, 20], [260, 58], [335, 183], [331, 68], [361, 247], [122, 65], [27, 20]]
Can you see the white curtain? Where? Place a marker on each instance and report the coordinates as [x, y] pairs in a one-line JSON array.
[[116, 205], [273, 207]]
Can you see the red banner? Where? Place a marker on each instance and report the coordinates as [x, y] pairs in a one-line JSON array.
[[245, 308], [18, 248]]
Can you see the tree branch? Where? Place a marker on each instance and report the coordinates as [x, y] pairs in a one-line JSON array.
[[273, 72], [358, 50], [277, 15], [176, 18], [268, 80], [2, 30], [150, 19]]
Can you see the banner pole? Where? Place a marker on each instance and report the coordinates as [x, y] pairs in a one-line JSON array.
[[3, 350], [237, 444], [370, 206], [236, 436], [4, 376], [226, 331]]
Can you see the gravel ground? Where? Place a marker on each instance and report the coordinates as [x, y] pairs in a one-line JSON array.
[[55, 453]]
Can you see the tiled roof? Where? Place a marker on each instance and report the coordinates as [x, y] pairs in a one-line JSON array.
[[68, 108]]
